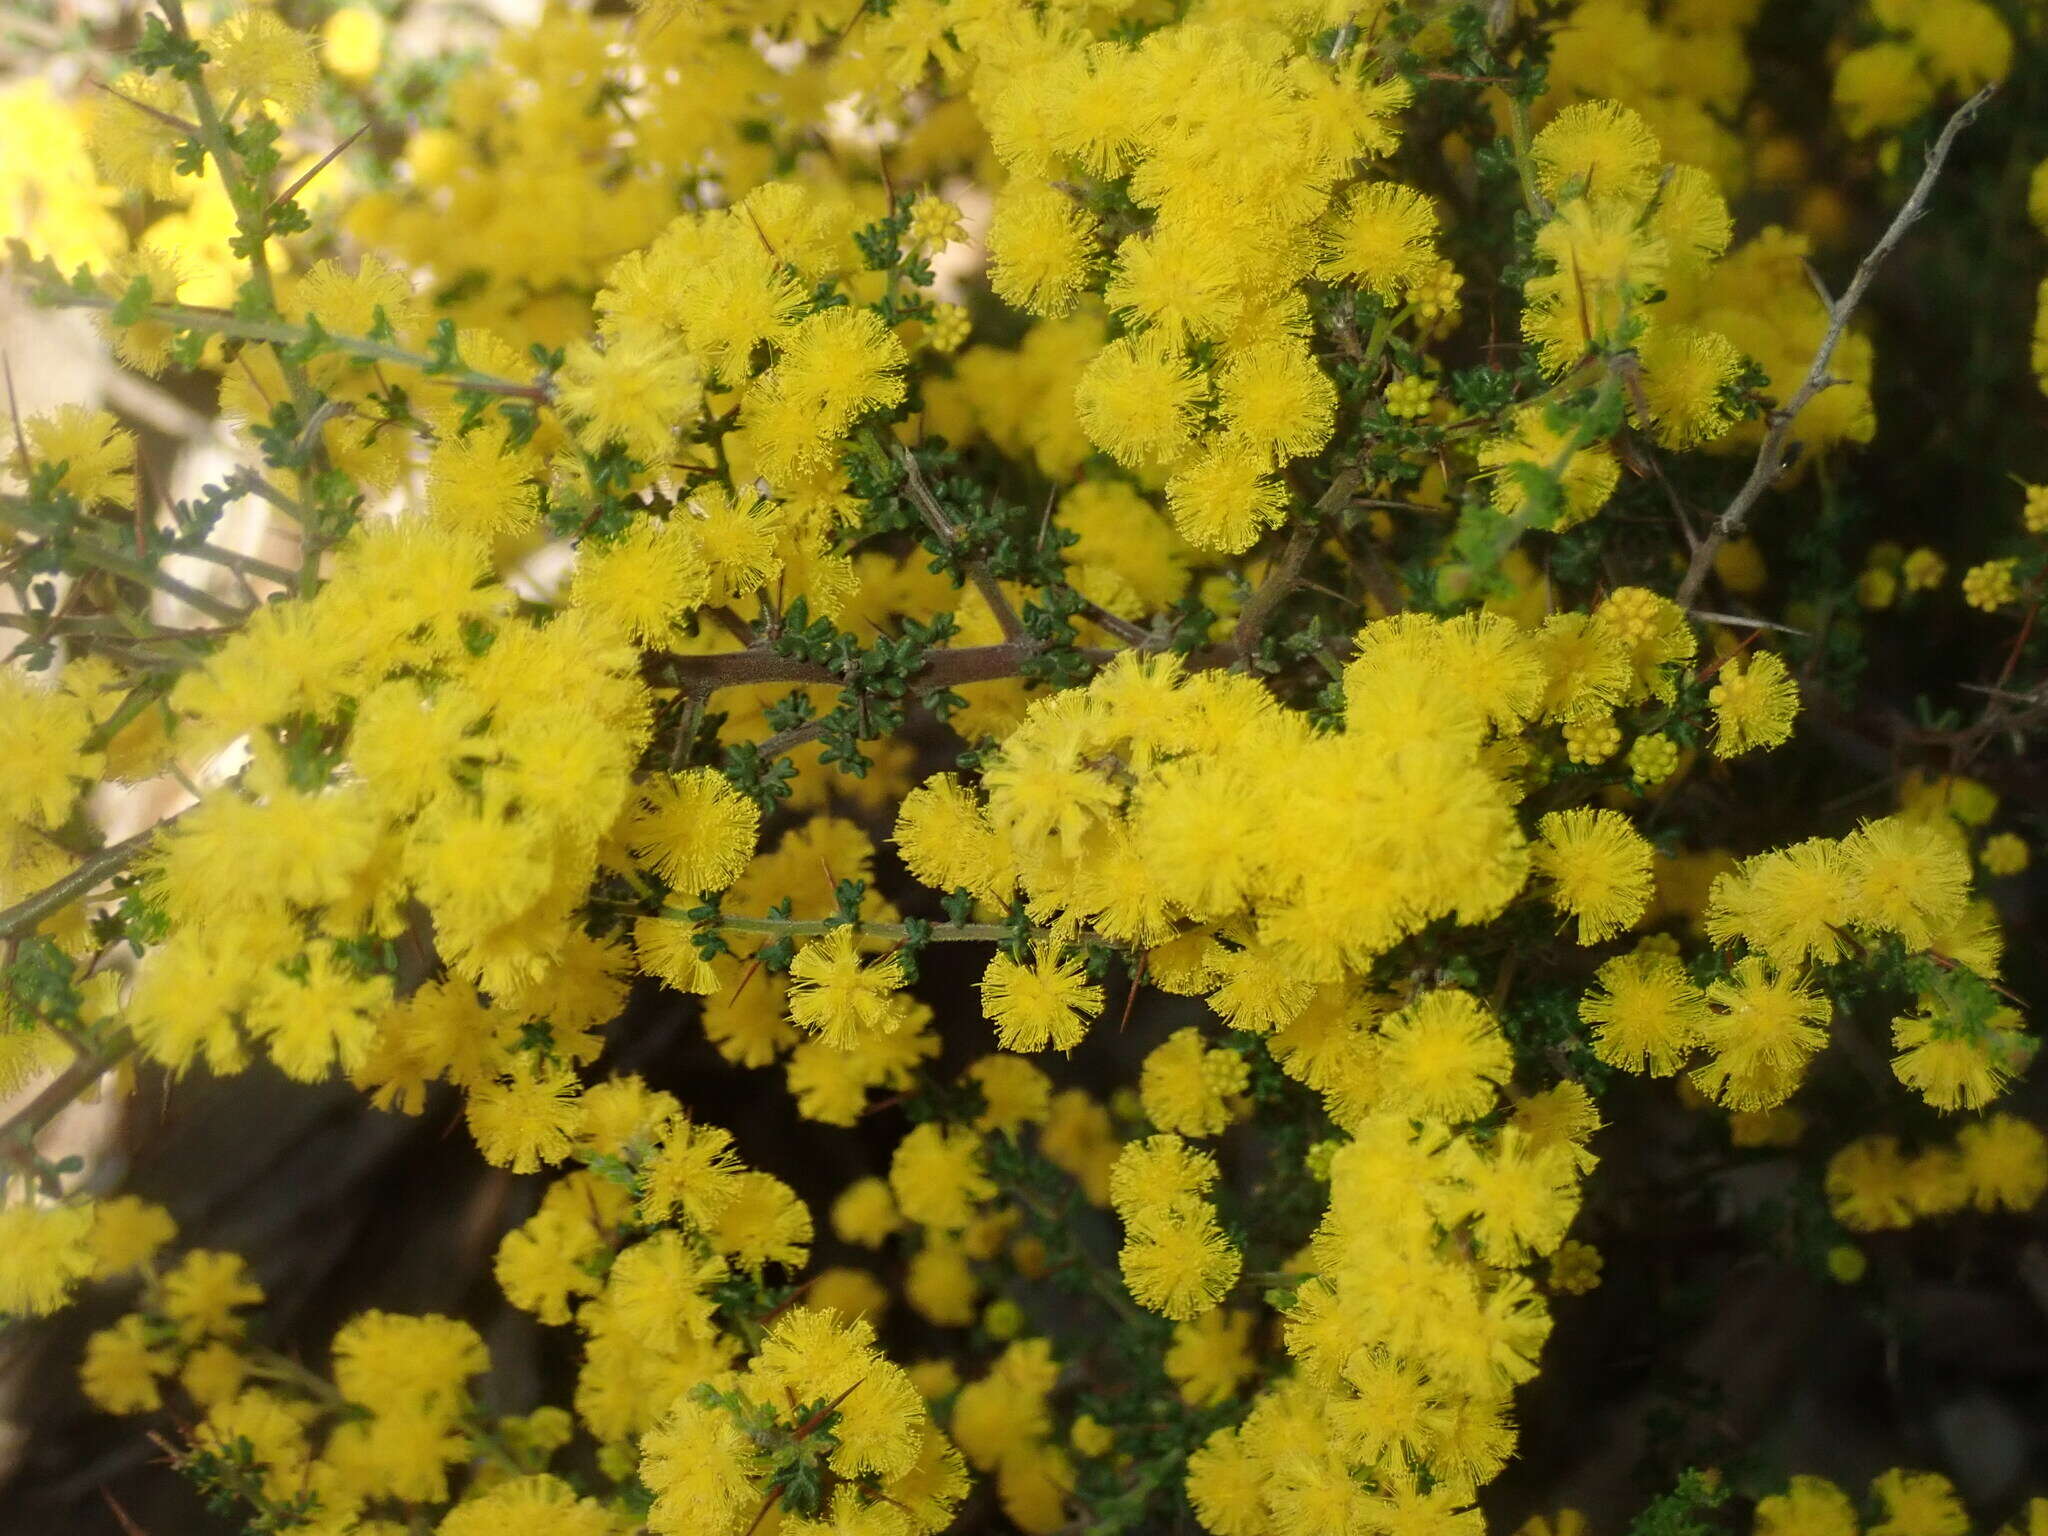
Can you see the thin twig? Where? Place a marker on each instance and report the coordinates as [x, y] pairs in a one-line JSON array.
[[1772, 459], [241, 564], [30, 910], [811, 928], [991, 590], [729, 621], [1746, 621], [220, 322], [14, 512], [1286, 571], [189, 129], [1280, 580], [58, 1094], [1116, 624], [14, 411], [121, 1516], [319, 165], [248, 482], [789, 740]]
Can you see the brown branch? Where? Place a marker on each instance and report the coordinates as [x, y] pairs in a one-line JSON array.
[[58, 1094], [756, 668], [991, 590], [729, 669], [789, 740], [14, 410], [29, 911], [215, 321], [320, 165], [1286, 572], [170, 120], [1116, 624], [1281, 580], [729, 621], [1772, 459]]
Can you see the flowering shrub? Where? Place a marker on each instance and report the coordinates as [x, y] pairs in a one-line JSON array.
[[1237, 516]]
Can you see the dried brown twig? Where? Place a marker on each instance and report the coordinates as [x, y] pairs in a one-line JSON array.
[[1772, 459]]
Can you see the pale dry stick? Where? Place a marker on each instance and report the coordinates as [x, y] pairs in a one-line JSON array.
[[1771, 458], [1748, 621], [154, 406]]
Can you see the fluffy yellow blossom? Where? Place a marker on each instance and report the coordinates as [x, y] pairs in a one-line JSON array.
[[701, 1469], [1754, 704], [1762, 1027], [1138, 400], [636, 392], [1906, 878], [1041, 247], [1210, 1355], [1687, 378], [693, 1173], [2004, 1162], [46, 1250], [1597, 149], [1222, 497], [1810, 1506], [255, 54], [840, 999], [1047, 1002], [352, 42], [1384, 240], [1599, 869], [121, 1366], [202, 1294], [1175, 1259], [946, 841], [1275, 395], [2004, 853], [1791, 904], [937, 1177], [1879, 87], [645, 582], [526, 1117], [865, 1213], [1186, 1086], [1541, 467], [1442, 1057], [1917, 1504], [1957, 1067], [694, 830], [96, 456], [1646, 1013]]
